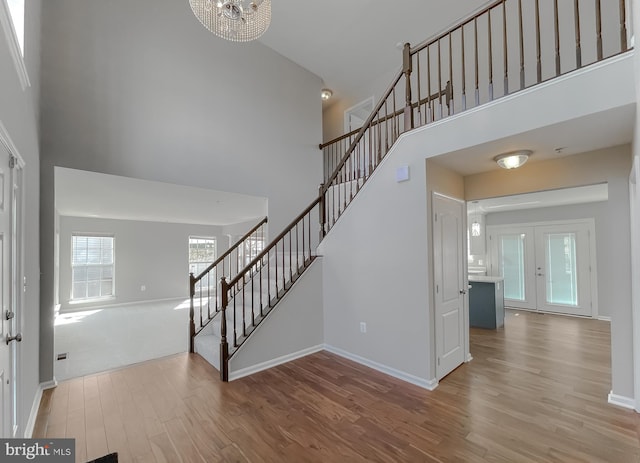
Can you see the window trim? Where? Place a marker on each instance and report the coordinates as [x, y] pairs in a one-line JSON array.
[[89, 300], [6, 21]]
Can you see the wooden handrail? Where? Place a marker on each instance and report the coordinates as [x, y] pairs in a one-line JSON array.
[[273, 243], [380, 120], [340, 138], [230, 250], [360, 134]]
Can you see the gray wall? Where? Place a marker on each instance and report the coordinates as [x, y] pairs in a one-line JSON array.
[[141, 89], [611, 241], [19, 115], [295, 327], [382, 276], [152, 254]]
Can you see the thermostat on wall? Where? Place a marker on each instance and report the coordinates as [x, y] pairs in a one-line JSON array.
[[402, 174]]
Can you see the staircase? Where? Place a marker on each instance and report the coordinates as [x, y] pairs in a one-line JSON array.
[[249, 305], [493, 53]]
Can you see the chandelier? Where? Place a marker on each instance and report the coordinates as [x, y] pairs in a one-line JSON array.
[[235, 20]]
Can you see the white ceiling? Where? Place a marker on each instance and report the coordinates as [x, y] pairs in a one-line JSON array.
[[562, 197], [80, 193], [572, 137], [346, 43]]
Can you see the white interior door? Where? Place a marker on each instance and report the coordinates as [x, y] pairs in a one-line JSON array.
[[448, 260], [7, 384], [563, 270]]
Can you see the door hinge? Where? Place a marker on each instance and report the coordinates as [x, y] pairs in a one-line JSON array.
[[437, 289], [438, 361], [12, 162]]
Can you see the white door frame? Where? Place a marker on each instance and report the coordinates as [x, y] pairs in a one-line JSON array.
[[365, 105], [590, 223], [17, 279], [634, 196]]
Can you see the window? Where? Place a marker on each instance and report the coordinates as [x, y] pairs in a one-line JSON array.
[[16, 10], [12, 22], [202, 253], [92, 266], [252, 247]]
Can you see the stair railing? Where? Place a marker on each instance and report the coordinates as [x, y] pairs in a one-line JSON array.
[[505, 47], [256, 289], [496, 40], [203, 291]]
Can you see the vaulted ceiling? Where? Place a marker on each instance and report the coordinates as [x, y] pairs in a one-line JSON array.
[[350, 42]]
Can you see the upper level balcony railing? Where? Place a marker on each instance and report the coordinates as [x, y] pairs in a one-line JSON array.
[[506, 47]]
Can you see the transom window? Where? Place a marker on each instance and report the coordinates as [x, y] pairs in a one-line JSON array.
[[16, 9], [202, 253], [92, 266]]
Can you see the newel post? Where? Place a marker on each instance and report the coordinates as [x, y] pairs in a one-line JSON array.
[[407, 68], [192, 325], [224, 345], [321, 211]]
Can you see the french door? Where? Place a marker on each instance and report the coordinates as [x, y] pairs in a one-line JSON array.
[[546, 267]]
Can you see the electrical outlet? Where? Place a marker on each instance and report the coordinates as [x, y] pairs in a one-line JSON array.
[[363, 327], [143, 288]]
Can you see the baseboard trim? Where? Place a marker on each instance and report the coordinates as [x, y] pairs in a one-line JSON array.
[[31, 423], [604, 318], [469, 358], [409, 378], [35, 406], [621, 401], [233, 375]]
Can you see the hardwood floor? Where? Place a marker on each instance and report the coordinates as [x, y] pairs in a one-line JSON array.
[[535, 392]]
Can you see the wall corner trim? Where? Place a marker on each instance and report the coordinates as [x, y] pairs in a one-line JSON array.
[[31, 423], [603, 318], [429, 384], [233, 375], [621, 401]]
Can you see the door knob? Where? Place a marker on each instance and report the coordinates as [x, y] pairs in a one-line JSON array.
[[9, 315], [17, 338], [462, 291], [540, 274]]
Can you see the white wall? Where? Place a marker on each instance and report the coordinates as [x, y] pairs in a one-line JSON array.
[[293, 329], [19, 115], [375, 258], [612, 241], [635, 225], [153, 254], [141, 89]]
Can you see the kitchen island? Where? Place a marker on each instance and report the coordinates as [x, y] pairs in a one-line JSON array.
[[486, 301]]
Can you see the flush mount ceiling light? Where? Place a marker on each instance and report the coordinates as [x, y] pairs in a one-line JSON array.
[[513, 160], [234, 20], [326, 94]]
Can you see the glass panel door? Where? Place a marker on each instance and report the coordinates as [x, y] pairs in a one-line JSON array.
[[563, 268], [512, 257], [561, 271], [512, 266]]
